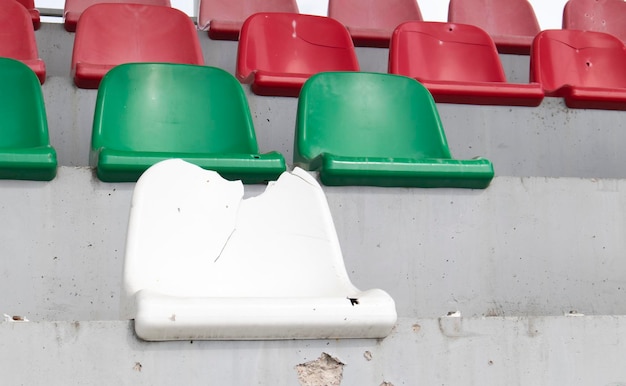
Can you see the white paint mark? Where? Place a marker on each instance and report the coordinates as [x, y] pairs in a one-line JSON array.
[[14, 318]]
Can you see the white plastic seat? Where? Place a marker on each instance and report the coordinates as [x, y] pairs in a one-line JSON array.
[[203, 263]]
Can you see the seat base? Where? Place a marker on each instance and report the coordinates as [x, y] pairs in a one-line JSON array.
[[422, 173], [71, 20], [363, 37], [483, 93], [224, 30], [124, 166], [594, 98], [517, 45], [159, 317], [39, 68], [88, 75], [35, 16], [270, 84], [38, 164]]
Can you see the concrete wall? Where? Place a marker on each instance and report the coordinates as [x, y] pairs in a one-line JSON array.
[[524, 246]]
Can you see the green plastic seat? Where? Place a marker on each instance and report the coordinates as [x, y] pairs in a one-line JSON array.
[[25, 151], [375, 129], [149, 112]]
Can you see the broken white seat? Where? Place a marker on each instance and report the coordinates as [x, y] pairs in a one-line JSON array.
[[204, 263]]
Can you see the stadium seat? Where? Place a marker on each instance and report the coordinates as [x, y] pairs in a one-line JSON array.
[[109, 34], [74, 8], [148, 112], [376, 129], [224, 18], [25, 151], [512, 24], [278, 52], [17, 38], [586, 68], [436, 54], [371, 22], [202, 263], [34, 12], [596, 15]]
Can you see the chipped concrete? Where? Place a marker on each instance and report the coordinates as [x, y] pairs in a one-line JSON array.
[[451, 325], [323, 371]]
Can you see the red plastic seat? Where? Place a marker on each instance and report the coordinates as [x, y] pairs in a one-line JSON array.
[[596, 15], [512, 24], [224, 18], [74, 8], [111, 34], [587, 68], [278, 52], [458, 63], [371, 22], [17, 38], [34, 12]]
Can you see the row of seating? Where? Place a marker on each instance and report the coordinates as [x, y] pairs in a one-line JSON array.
[[587, 69], [512, 24], [355, 128], [278, 52]]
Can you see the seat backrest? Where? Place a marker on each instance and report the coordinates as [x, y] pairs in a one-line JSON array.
[[497, 17], [33, 12], [357, 114], [28, 4], [374, 14], [112, 34], [162, 107], [596, 15], [238, 11], [17, 37], [288, 43], [281, 243], [577, 58], [24, 122], [503, 20], [440, 52], [74, 8]]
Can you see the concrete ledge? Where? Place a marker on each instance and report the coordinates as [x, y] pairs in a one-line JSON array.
[[561, 350]]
